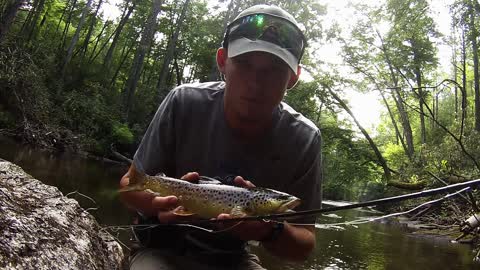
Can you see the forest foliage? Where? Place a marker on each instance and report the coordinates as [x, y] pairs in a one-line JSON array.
[[73, 77]]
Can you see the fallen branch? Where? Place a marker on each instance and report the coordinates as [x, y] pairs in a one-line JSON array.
[[120, 156], [408, 186], [431, 226]]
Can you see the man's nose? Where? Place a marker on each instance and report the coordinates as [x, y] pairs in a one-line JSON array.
[[256, 80], [258, 76]]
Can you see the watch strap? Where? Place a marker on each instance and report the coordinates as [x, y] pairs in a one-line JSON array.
[[277, 229]]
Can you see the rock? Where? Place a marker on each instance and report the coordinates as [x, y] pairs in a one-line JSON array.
[[42, 229]]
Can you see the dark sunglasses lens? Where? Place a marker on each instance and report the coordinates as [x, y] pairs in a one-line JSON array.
[[268, 28]]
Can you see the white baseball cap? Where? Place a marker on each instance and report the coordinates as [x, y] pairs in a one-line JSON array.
[[268, 29]]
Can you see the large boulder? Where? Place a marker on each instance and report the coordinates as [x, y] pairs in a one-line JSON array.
[[42, 229]]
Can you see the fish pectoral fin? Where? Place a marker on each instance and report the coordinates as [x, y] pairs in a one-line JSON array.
[[237, 212], [152, 192], [128, 189], [181, 211]]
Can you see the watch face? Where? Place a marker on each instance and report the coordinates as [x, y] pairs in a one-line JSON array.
[[277, 229]]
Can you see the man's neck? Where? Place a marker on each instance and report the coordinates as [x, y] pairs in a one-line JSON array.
[[248, 130]]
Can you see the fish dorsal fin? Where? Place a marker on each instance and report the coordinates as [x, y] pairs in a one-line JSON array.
[[161, 174], [258, 189], [209, 180]]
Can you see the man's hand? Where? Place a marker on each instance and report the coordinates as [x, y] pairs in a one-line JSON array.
[[246, 230], [165, 206], [294, 243], [239, 181], [148, 204]]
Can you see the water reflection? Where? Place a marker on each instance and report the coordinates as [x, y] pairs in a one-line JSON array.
[[376, 246], [366, 246]]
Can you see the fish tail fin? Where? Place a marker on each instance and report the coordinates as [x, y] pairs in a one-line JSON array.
[[135, 183]]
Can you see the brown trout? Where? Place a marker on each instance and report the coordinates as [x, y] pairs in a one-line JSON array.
[[208, 199]]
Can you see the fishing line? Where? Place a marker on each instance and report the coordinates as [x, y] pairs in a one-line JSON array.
[[81, 195], [87, 210], [366, 220], [140, 227], [152, 226], [354, 222], [372, 219], [274, 217], [313, 212]]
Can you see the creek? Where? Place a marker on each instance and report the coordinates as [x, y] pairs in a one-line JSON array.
[[366, 246]]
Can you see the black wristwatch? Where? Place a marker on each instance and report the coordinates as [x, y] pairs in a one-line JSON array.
[[277, 229]]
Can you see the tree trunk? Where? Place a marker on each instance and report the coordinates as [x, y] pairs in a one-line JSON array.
[[137, 66], [6, 18], [37, 11], [123, 58], [395, 125], [435, 109], [67, 25], [76, 36], [399, 102], [161, 87], [473, 38], [28, 20], [458, 139], [108, 58], [232, 11], [178, 71], [464, 74], [421, 96], [92, 54], [61, 17], [405, 120], [454, 63], [381, 160], [90, 30], [44, 18]]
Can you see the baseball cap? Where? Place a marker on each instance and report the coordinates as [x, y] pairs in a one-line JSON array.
[[269, 29]]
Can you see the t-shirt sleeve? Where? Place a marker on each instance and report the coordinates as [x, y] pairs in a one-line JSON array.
[[308, 184], [156, 151]]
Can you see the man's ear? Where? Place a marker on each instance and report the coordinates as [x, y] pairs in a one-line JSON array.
[[294, 78], [221, 59]]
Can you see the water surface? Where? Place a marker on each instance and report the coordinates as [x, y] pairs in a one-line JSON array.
[[367, 246]]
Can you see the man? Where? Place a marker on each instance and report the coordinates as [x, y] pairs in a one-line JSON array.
[[238, 131]]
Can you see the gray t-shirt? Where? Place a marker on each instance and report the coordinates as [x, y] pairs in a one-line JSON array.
[[189, 133]]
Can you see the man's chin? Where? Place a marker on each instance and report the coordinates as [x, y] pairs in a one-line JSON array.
[[250, 117]]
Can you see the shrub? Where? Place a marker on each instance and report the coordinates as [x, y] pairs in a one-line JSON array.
[[121, 134]]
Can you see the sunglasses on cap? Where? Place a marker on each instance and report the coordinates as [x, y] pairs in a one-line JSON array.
[[276, 30]]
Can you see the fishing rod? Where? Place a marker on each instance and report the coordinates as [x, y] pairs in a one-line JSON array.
[[425, 193]]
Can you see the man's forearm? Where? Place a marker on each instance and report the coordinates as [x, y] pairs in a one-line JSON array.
[[294, 243]]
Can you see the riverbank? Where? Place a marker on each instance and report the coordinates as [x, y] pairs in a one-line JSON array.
[[419, 229], [444, 222], [49, 142]]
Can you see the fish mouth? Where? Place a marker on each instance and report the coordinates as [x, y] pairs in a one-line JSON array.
[[289, 205]]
